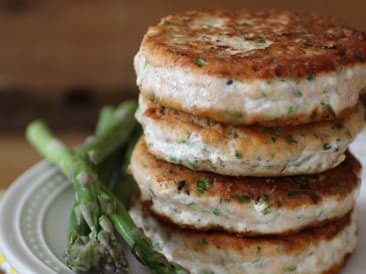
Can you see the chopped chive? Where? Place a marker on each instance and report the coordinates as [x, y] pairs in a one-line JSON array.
[[238, 154], [266, 211], [200, 62], [259, 248], [209, 122], [328, 108], [327, 146], [233, 132], [244, 198], [290, 268], [192, 164], [217, 212], [203, 185], [261, 40], [263, 94], [174, 160], [234, 115], [291, 109], [298, 93], [311, 77], [146, 63], [349, 135]]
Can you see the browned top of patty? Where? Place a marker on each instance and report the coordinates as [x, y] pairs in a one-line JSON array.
[[301, 44], [269, 245], [289, 192]]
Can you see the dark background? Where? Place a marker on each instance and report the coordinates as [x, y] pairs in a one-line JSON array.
[[62, 60]]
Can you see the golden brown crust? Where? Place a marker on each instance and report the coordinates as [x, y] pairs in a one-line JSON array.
[[302, 44], [336, 268], [289, 192], [289, 243], [213, 133]]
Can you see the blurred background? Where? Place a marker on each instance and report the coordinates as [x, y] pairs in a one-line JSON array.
[[62, 60]]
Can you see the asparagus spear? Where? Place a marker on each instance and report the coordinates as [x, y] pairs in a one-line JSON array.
[[94, 245], [113, 129], [96, 200]]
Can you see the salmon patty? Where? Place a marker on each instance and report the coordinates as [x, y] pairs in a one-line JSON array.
[[203, 144], [273, 68], [244, 205], [320, 250]]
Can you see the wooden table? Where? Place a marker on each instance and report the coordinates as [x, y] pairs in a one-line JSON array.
[[17, 155]]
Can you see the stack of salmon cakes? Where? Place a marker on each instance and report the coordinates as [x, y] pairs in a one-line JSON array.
[[247, 116]]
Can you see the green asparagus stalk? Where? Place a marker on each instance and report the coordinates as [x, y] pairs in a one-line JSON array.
[[97, 206], [113, 130], [98, 249], [124, 186]]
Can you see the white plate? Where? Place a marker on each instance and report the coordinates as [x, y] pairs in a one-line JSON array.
[[35, 211]]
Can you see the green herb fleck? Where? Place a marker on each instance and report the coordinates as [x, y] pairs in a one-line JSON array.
[[192, 164], [357, 232], [298, 93], [311, 77], [261, 40], [209, 122], [146, 63], [238, 154], [328, 108], [174, 160], [292, 109], [263, 94], [203, 185], [156, 246], [244, 198], [234, 115], [264, 199], [266, 211], [217, 212], [259, 249], [233, 132], [327, 146], [200, 62], [290, 269], [349, 135]]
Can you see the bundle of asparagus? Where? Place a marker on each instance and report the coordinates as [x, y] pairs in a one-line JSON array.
[[99, 219]]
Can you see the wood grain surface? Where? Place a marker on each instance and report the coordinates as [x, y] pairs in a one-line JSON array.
[[47, 45]]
